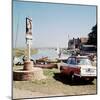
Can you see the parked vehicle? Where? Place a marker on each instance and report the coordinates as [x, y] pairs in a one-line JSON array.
[[89, 50], [79, 66]]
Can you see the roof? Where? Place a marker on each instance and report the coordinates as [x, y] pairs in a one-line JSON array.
[[78, 56]]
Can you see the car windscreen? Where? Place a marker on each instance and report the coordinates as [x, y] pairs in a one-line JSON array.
[[72, 61], [78, 61], [83, 61]]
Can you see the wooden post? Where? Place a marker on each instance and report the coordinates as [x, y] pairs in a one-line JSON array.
[[28, 64], [28, 35], [29, 52]]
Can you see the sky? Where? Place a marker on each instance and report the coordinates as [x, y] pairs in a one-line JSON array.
[[52, 24]]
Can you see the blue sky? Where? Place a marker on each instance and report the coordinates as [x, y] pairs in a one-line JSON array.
[[52, 23]]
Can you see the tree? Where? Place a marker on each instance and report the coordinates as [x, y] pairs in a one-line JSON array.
[[93, 36]]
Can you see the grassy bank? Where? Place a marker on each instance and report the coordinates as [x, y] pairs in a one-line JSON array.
[[20, 51]]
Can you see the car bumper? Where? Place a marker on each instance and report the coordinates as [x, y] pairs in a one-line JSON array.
[[85, 76]]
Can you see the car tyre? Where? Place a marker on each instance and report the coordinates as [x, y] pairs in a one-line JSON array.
[[71, 77], [90, 80]]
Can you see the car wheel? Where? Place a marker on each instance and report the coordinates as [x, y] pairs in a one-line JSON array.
[[90, 80], [71, 77]]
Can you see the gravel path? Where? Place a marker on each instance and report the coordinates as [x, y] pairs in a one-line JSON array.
[[19, 93], [54, 85], [54, 90]]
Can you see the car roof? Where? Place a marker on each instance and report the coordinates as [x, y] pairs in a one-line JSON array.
[[85, 57]]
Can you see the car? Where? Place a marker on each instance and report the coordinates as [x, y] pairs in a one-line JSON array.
[[88, 50], [80, 67]]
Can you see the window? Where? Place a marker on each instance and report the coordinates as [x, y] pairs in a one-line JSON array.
[[83, 61], [72, 61]]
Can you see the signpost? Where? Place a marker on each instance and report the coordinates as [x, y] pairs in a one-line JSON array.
[[28, 64], [28, 71]]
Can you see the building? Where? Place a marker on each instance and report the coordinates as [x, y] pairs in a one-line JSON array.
[[75, 43], [83, 40]]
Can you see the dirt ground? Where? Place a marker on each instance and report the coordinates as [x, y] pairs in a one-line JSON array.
[[54, 85]]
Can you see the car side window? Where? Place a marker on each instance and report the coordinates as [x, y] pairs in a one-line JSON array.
[[72, 61]]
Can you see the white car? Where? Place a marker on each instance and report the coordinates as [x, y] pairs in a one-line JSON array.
[[79, 66]]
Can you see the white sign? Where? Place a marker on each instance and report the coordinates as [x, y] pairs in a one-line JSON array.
[[28, 28], [29, 41]]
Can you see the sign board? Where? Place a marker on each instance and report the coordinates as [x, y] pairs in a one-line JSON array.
[[28, 29], [29, 41]]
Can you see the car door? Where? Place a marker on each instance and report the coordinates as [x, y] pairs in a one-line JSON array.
[[72, 65]]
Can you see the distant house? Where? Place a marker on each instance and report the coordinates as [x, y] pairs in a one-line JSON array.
[[83, 40], [70, 44], [75, 43]]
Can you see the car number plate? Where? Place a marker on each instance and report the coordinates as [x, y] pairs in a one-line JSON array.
[[89, 70]]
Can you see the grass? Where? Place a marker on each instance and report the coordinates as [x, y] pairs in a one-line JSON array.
[[50, 72]]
